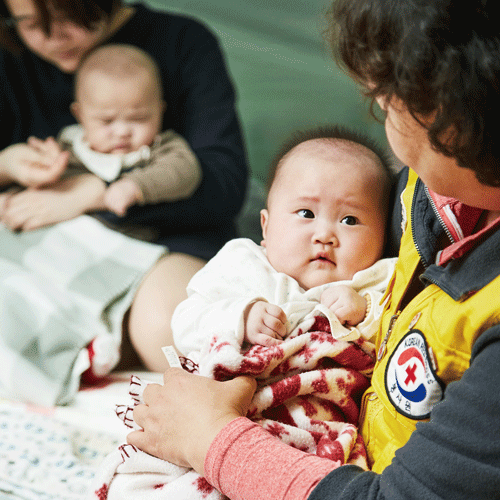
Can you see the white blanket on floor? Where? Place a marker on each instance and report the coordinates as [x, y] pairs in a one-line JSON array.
[[53, 453], [61, 287]]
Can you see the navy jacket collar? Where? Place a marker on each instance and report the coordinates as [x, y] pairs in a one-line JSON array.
[[461, 277]]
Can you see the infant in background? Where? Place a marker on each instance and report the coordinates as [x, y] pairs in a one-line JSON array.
[[119, 107], [323, 239]]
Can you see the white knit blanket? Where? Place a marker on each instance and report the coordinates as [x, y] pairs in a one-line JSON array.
[[60, 288]]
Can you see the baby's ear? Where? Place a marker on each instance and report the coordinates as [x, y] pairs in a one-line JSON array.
[[264, 218], [75, 110]]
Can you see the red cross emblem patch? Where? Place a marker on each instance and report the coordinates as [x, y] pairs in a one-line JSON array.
[[411, 383]]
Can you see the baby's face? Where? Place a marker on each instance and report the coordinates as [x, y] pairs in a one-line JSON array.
[[119, 115], [324, 220]]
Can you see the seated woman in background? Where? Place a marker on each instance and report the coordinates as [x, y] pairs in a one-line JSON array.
[[44, 42]]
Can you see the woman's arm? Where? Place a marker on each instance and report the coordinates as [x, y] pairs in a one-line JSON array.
[[234, 454], [246, 462], [34, 208], [174, 427], [455, 456]]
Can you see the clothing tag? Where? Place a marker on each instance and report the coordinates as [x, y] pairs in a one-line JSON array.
[[172, 358]]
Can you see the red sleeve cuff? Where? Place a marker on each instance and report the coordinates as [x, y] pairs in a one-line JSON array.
[[245, 462]]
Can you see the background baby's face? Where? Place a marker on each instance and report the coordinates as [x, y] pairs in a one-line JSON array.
[[119, 115]]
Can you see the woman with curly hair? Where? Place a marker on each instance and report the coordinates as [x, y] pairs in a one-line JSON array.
[[430, 418]]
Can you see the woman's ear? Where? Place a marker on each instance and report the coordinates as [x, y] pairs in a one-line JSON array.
[[264, 218]]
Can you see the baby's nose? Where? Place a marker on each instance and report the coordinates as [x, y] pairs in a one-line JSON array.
[[326, 235], [122, 128]]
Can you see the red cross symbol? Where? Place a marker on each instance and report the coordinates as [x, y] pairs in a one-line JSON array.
[[411, 374]]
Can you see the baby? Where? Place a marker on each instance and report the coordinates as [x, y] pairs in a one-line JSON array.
[[306, 300], [323, 235], [119, 107]]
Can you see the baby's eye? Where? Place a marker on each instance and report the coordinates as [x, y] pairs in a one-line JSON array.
[[106, 121], [349, 220], [305, 213]]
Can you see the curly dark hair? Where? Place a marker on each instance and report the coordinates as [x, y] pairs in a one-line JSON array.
[[83, 12], [439, 57]]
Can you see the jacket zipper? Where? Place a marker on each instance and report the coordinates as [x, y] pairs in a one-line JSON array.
[[412, 212], [438, 215], [394, 317]]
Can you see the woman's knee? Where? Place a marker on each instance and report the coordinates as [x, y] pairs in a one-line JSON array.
[[156, 299]]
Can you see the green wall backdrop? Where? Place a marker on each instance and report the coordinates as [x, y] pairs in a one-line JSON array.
[[284, 76]]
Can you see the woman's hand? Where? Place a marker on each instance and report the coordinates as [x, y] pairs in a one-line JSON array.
[[37, 163], [181, 418], [33, 208]]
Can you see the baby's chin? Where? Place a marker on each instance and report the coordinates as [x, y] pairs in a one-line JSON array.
[[121, 150], [114, 151]]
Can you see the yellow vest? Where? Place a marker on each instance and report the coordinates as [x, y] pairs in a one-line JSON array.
[[427, 345]]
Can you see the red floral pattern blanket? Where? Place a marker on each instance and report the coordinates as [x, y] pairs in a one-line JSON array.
[[309, 392]]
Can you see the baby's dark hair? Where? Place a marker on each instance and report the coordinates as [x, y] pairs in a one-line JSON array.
[[330, 133], [440, 58]]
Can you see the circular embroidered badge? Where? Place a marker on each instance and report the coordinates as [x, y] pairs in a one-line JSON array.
[[410, 381]]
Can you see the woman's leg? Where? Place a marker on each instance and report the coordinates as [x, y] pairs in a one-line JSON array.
[[154, 304]]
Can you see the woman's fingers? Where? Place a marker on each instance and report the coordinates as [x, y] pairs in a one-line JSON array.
[[181, 418]]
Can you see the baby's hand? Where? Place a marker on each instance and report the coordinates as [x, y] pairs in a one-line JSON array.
[[265, 324], [348, 305], [122, 194]]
